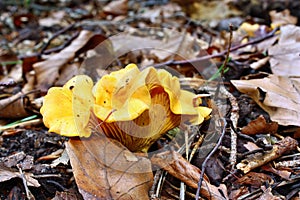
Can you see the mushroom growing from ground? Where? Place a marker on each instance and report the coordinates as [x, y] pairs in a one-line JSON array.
[[132, 106]]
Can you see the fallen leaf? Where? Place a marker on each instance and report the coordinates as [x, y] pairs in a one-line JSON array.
[[7, 174], [250, 146], [277, 95], [284, 56], [63, 159], [118, 7], [282, 173], [260, 63], [267, 195], [180, 45], [282, 18], [210, 10], [25, 161], [14, 106], [254, 179], [47, 71], [67, 195], [102, 170], [259, 125]]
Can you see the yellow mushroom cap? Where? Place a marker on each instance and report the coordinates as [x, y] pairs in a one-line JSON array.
[[146, 104], [66, 110]]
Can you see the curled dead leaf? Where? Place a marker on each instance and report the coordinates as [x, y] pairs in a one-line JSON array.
[[277, 95]]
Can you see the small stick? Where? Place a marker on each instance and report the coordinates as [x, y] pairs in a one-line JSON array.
[[29, 195], [208, 157], [217, 55], [56, 35]]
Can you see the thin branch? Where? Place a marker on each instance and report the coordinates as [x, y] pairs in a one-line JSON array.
[[208, 157], [56, 35], [207, 57]]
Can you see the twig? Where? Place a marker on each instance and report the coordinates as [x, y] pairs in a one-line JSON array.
[[208, 157], [200, 140], [65, 29], [207, 57], [29, 195], [156, 179], [48, 51]]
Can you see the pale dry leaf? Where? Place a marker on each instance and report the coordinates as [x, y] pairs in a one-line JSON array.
[[102, 170], [284, 56], [63, 159], [267, 195], [118, 7], [260, 63], [179, 45], [277, 95], [282, 18], [47, 71], [250, 146]]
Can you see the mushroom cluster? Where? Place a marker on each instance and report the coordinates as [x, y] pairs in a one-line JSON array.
[[132, 106]]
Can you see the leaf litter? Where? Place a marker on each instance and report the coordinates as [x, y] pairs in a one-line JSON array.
[[263, 66]]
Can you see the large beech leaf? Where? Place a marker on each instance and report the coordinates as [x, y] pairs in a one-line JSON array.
[[104, 169]]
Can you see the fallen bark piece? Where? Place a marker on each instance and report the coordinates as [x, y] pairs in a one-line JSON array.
[[177, 166], [283, 146]]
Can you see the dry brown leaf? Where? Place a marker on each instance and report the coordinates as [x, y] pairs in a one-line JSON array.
[[180, 168], [277, 95], [102, 169], [259, 125], [282, 173], [284, 56], [47, 71], [254, 179], [14, 106]]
